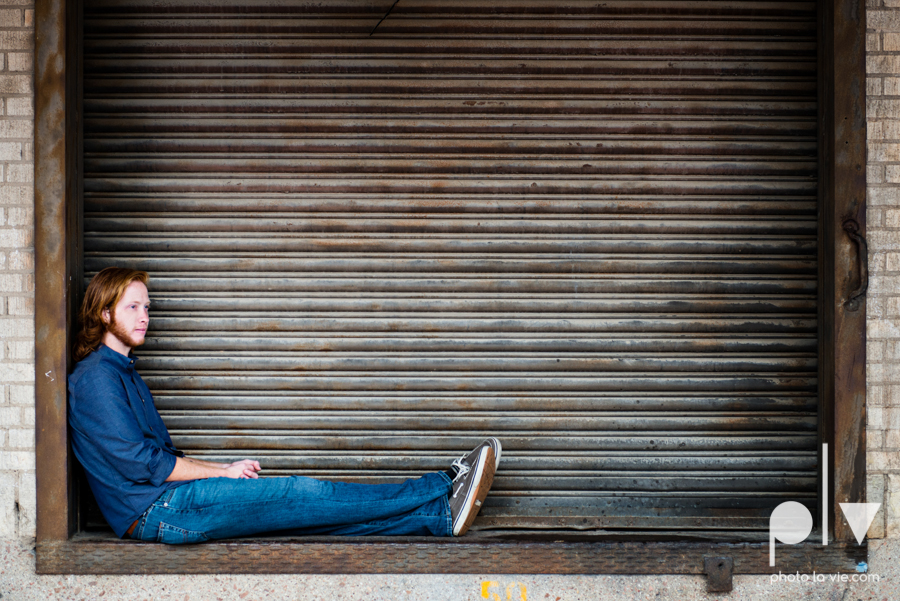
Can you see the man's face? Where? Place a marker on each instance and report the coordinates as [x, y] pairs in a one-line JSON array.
[[127, 326]]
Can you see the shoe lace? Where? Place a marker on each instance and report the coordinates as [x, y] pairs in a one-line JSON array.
[[462, 468]]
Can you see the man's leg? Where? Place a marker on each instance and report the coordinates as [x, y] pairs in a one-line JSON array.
[[224, 508]]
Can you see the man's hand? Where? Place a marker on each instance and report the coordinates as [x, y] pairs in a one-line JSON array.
[[245, 468], [197, 469]]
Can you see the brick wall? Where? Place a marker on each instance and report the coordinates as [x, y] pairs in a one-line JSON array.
[[883, 227], [17, 497]]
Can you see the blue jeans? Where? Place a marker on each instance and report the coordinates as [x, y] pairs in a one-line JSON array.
[[216, 508]]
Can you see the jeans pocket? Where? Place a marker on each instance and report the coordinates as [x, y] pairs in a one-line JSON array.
[[172, 535]]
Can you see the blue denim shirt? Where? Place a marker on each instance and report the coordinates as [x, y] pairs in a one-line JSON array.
[[119, 437]]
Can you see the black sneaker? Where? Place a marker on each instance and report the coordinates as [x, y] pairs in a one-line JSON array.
[[470, 487]]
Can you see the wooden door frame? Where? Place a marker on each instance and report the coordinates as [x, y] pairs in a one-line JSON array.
[[842, 372]]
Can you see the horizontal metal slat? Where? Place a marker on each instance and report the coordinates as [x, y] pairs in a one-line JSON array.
[[509, 363], [174, 400], [551, 224], [582, 246], [267, 444], [472, 323], [415, 382], [100, 151], [492, 305]]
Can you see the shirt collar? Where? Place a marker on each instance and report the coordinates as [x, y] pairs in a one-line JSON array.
[[117, 359]]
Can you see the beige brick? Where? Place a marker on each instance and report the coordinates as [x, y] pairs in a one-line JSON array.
[[10, 151], [16, 372], [875, 174], [874, 352], [9, 417], [874, 440], [15, 238], [892, 503], [17, 460], [892, 174], [878, 461], [877, 64], [20, 107], [893, 259], [891, 42], [2, 309], [17, 128], [875, 224], [874, 86], [23, 173], [891, 418], [875, 417], [887, 20], [15, 84], [17, 195], [883, 108], [28, 151], [27, 504], [882, 196], [20, 61], [892, 396], [893, 306], [28, 414], [874, 130], [21, 438], [21, 260], [883, 372], [21, 395], [16, 328], [8, 487], [875, 396], [29, 17], [19, 216], [20, 305], [875, 494], [881, 328], [16, 40], [2, 438], [881, 152], [873, 42], [11, 18], [15, 282], [21, 351], [890, 130], [891, 439]]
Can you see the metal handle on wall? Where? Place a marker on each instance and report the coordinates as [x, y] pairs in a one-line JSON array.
[[852, 228]]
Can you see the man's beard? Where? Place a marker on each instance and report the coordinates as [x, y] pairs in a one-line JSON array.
[[119, 332]]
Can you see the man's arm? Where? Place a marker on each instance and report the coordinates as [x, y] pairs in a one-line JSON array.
[[197, 469]]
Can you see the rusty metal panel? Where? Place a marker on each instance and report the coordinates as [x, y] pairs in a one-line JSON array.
[[588, 229]]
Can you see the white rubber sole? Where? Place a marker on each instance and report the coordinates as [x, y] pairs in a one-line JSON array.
[[484, 477]]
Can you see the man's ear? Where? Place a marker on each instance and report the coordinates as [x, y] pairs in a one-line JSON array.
[[104, 315]]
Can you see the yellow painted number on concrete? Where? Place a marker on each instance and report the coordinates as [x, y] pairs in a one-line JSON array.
[[487, 593]]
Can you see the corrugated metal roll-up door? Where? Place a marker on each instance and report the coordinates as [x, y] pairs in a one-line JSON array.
[[588, 229]]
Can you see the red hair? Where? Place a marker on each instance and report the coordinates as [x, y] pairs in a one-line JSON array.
[[103, 293]]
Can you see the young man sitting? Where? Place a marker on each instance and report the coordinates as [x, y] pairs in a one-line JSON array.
[[148, 490]]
